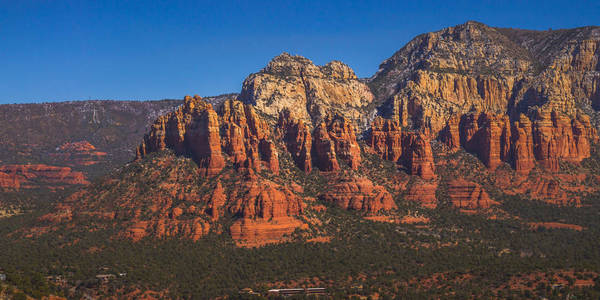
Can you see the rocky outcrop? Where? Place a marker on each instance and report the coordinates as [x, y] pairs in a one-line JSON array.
[[192, 129], [468, 195], [246, 137], [80, 153], [236, 134], [550, 191], [341, 132], [360, 194], [297, 139], [450, 135], [487, 135], [423, 192], [265, 213], [386, 139], [323, 150], [411, 149], [260, 232], [10, 181], [310, 92], [193, 229], [550, 138], [522, 146], [558, 137], [418, 155], [15, 177], [217, 201]]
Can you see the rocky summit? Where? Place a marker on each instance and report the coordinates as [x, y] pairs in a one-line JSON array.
[[470, 133]]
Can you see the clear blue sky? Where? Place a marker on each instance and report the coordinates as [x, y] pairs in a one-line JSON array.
[[77, 50]]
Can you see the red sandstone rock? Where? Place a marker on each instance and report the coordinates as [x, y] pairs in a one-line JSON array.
[[196, 129], [423, 193], [266, 212], [246, 137], [549, 139], [11, 181], [19, 176], [192, 129], [297, 138], [323, 148], [80, 153], [486, 135], [217, 201], [522, 146], [386, 139], [342, 133], [360, 194], [468, 195], [259, 232], [265, 199], [558, 137], [549, 190], [412, 149], [419, 157], [450, 135], [493, 139]]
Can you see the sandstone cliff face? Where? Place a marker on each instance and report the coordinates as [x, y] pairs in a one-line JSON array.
[[324, 150], [471, 86], [310, 92], [192, 129], [360, 194], [450, 134], [297, 139], [419, 157], [468, 195], [412, 149], [266, 213], [196, 129], [557, 137], [333, 138], [342, 133], [173, 200], [474, 67], [423, 193], [550, 138], [386, 139]]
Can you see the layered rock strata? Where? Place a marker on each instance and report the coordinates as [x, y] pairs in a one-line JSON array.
[[15, 177], [412, 149], [266, 213], [474, 67], [360, 194], [236, 134], [551, 137], [468, 195]]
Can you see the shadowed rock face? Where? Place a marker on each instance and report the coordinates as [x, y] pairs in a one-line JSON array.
[[310, 92]]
